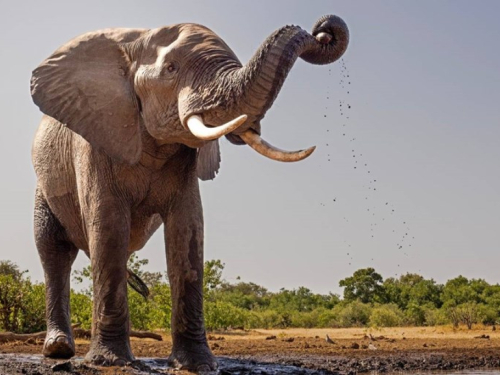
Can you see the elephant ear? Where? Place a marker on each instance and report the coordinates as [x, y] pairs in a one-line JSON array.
[[85, 86], [208, 161]]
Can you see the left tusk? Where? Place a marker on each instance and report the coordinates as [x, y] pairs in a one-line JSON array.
[[201, 131], [254, 140]]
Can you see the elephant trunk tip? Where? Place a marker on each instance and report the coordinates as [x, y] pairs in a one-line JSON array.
[[324, 38], [332, 34], [332, 25]]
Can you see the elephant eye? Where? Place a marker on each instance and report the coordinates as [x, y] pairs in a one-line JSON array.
[[169, 69]]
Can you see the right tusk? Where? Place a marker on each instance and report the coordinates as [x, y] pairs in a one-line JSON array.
[[201, 131], [254, 140]]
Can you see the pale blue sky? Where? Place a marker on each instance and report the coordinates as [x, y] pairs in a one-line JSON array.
[[424, 117]]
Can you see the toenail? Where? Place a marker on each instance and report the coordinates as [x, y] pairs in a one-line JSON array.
[[120, 362], [203, 368]]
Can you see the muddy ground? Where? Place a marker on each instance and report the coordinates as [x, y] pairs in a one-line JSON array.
[[294, 351]]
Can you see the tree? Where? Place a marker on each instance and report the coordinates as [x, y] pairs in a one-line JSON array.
[[301, 300], [364, 285], [212, 275], [461, 290], [414, 295], [469, 313], [247, 296], [9, 268], [22, 303], [491, 296]]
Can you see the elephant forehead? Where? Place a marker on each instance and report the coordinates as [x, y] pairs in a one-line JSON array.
[[163, 51], [200, 38], [183, 40]]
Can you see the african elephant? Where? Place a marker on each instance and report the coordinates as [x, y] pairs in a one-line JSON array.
[[131, 120]]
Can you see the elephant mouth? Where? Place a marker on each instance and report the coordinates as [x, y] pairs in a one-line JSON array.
[[250, 137]]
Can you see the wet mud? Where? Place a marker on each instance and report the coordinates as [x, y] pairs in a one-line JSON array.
[[271, 364], [290, 352]]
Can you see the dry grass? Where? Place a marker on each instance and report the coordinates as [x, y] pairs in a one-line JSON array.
[[439, 332]]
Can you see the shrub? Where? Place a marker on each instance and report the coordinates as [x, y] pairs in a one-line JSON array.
[[327, 318], [353, 314], [222, 315], [318, 318], [267, 319], [140, 311], [488, 315], [435, 317], [388, 315], [416, 313], [22, 304], [81, 309], [305, 319], [161, 313]]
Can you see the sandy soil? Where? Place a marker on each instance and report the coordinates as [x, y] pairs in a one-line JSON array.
[[352, 351]]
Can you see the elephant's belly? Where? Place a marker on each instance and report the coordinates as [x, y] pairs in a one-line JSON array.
[[141, 230], [67, 210]]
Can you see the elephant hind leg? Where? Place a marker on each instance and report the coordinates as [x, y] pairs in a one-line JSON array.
[[57, 255]]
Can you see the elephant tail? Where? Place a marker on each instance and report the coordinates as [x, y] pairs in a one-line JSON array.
[[137, 284]]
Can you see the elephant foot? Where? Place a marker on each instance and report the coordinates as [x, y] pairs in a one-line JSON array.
[[196, 357], [109, 355], [58, 345]]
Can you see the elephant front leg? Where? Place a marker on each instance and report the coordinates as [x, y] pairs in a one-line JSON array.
[[57, 255], [184, 246], [109, 237]]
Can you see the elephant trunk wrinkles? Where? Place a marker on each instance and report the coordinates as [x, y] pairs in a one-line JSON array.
[[260, 80]]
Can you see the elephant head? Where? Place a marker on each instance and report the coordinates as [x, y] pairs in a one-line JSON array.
[[181, 83]]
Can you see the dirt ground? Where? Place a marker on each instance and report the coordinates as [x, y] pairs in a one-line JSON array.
[[301, 351]]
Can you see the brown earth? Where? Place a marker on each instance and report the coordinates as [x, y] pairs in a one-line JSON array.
[[264, 351]]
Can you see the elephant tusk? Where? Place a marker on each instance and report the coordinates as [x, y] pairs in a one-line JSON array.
[[201, 131], [254, 140]]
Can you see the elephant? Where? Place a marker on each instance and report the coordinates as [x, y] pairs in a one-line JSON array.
[[131, 123]]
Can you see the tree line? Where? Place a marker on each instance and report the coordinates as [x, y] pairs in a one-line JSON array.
[[368, 300]]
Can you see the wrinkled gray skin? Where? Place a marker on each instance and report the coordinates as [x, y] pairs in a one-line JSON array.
[[114, 161]]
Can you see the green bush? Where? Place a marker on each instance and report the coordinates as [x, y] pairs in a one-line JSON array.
[[161, 313], [140, 311], [416, 313], [318, 318], [267, 319], [352, 314], [327, 318], [488, 315], [305, 319], [81, 309], [22, 304], [223, 315], [435, 317], [410, 299], [388, 315], [155, 312]]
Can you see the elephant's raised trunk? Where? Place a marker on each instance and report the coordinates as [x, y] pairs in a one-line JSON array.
[[261, 79], [251, 89]]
